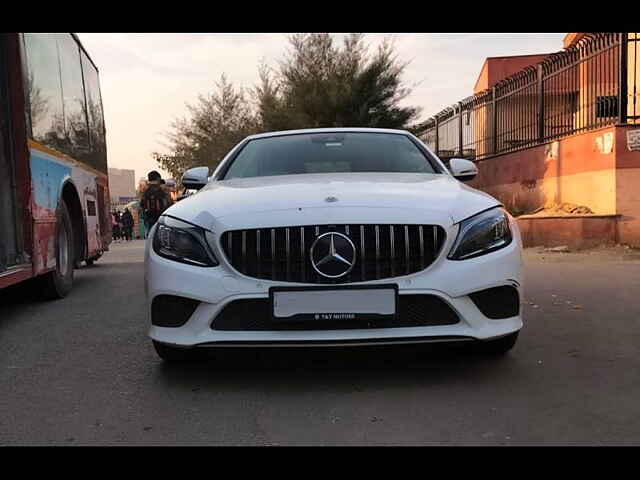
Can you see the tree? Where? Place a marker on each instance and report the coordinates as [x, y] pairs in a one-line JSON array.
[[319, 85], [315, 85], [37, 101], [214, 125]]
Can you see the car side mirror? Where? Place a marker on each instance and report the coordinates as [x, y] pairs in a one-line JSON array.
[[195, 178], [463, 170]]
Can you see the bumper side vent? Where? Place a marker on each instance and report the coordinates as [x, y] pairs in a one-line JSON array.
[[497, 302], [172, 311]]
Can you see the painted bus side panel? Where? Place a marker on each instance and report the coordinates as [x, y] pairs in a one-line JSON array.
[[49, 172], [85, 182], [47, 178]]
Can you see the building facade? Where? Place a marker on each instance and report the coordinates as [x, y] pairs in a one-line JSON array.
[[558, 131], [122, 185]]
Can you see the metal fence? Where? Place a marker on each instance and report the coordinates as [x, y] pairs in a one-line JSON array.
[[588, 86]]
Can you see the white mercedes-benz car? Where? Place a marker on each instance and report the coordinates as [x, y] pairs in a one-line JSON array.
[[342, 236]]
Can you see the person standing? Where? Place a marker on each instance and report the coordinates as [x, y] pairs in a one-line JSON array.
[[155, 200], [120, 226], [142, 225], [115, 227], [127, 224]]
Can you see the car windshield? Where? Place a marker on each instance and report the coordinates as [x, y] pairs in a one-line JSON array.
[[329, 153]]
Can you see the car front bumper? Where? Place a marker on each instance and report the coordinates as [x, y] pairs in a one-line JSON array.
[[451, 281]]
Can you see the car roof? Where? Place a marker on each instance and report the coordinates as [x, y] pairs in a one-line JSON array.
[[328, 130]]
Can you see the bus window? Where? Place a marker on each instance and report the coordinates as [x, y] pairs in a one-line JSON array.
[[9, 248], [76, 128], [44, 88], [98, 154]]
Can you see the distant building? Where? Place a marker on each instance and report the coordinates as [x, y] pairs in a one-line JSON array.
[[496, 69], [122, 185]]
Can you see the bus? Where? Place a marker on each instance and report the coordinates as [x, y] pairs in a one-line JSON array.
[[54, 191]]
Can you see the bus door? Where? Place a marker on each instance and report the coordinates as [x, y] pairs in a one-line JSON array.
[[9, 253]]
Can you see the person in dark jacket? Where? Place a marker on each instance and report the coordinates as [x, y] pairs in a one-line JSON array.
[[115, 225], [155, 200], [127, 224]]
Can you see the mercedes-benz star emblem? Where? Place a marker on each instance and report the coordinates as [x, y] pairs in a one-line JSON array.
[[333, 255]]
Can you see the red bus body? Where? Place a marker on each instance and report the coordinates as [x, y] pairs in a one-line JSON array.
[[46, 157]]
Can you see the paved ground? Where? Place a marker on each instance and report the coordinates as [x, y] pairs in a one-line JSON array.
[[82, 371]]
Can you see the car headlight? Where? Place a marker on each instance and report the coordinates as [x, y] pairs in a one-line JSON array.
[[483, 233], [184, 242]]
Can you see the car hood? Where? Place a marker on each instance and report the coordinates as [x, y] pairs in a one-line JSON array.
[[437, 194]]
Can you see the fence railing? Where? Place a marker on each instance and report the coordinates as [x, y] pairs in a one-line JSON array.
[[585, 87]]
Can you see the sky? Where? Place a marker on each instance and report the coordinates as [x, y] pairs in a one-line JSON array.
[[147, 79]]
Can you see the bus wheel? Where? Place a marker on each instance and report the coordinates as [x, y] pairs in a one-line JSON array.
[[58, 283]]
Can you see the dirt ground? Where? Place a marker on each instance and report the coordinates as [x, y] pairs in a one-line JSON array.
[[592, 255]]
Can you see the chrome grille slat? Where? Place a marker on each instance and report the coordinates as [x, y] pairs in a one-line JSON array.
[[273, 253], [393, 251], [435, 240], [421, 234], [406, 249], [258, 259], [362, 252], [302, 252], [244, 251], [287, 246], [282, 256], [377, 251]]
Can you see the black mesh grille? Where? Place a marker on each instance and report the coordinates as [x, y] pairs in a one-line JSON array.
[[382, 251], [497, 302], [413, 311]]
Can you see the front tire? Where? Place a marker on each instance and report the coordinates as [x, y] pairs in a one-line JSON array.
[[499, 346], [58, 283], [173, 354]]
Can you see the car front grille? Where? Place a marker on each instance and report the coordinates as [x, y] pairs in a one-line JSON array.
[[254, 314], [382, 251]]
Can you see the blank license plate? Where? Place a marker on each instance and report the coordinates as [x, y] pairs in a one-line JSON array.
[[333, 303]]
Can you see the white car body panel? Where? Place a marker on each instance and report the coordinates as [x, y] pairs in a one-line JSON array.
[[239, 202]]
